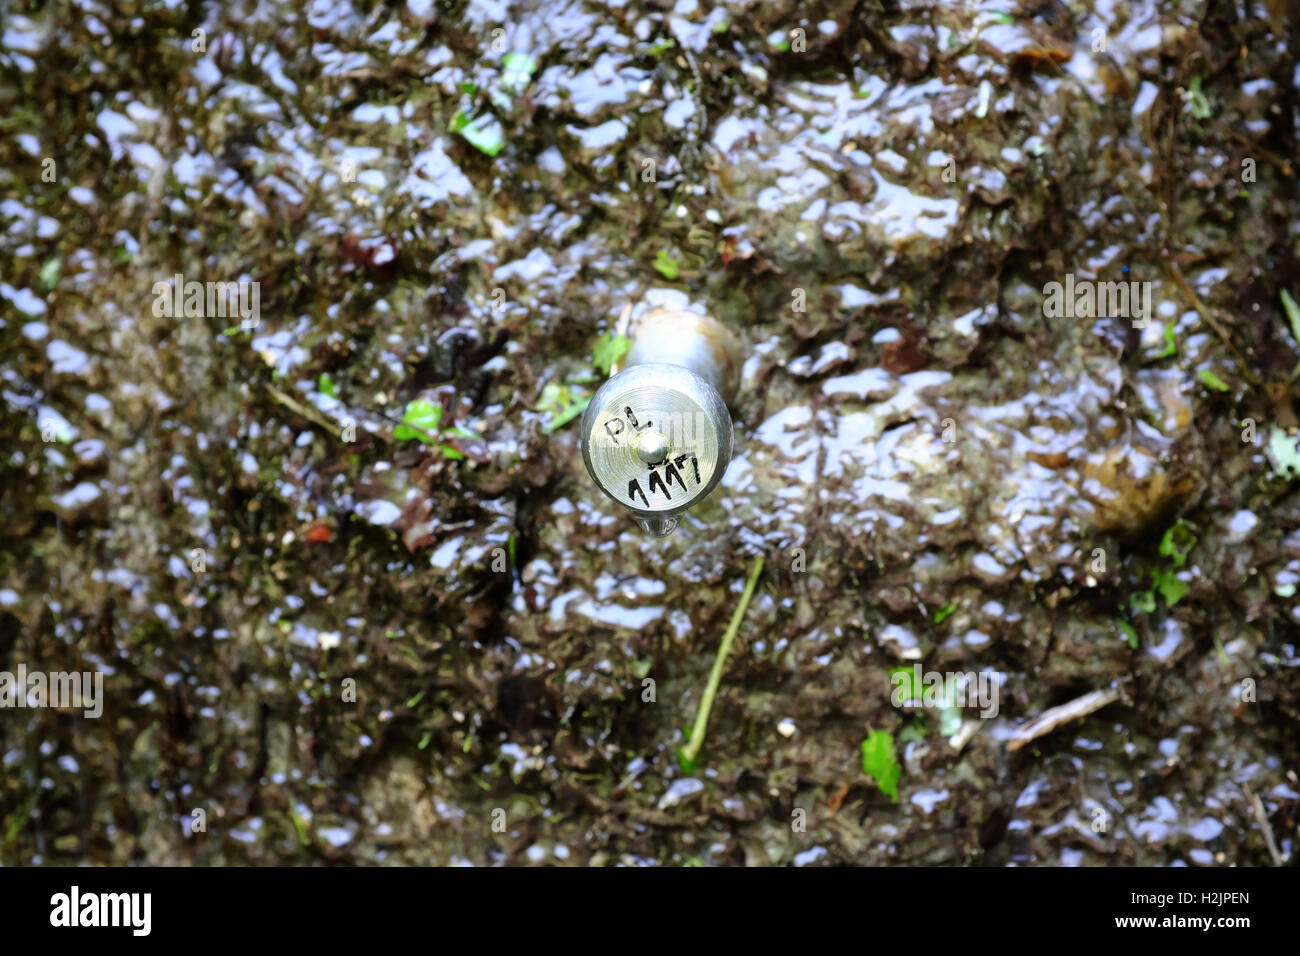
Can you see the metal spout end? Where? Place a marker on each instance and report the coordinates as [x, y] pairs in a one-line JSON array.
[[659, 527], [657, 436]]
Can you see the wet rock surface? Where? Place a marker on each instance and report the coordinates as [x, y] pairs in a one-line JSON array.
[[342, 643]]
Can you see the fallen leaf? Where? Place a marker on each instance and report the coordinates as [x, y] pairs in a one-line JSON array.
[[902, 357]]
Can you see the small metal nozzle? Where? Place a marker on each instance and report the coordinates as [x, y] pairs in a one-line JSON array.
[[657, 436]]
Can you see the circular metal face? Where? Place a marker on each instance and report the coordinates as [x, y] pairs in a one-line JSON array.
[[657, 439]]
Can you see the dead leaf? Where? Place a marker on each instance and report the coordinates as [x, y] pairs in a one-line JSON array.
[[837, 799]]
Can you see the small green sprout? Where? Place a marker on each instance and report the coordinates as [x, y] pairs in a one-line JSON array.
[[1201, 108], [667, 265], [50, 273], [1171, 343], [419, 421], [483, 132], [688, 764], [1212, 381], [1175, 545]]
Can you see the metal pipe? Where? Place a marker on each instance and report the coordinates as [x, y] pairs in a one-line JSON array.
[[657, 437]]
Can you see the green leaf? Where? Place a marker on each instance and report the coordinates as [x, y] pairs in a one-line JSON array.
[[941, 615], [1004, 18], [1132, 634], [564, 403], [50, 273], [299, 826], [1171, 344], [1201, 108], [881, 762], [1212, 381], [420, 417], [452, 452], [569, 414], [1177, 543], [554, 398], [1292, 311], [667, 265], [325, 384], [1143, 601], [608, 350], [483, 132], [1170, 587], [660, 46]]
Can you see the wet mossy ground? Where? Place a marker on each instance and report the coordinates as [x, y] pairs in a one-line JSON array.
[[342, 646]]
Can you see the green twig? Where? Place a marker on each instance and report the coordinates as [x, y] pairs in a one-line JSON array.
[[692, 749]]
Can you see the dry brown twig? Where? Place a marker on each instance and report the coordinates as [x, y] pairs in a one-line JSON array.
[[1257, 806], [1205, 313], [1054, 717]]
